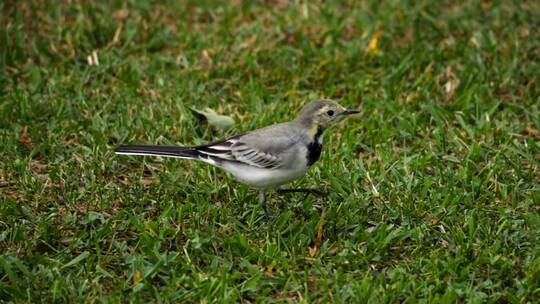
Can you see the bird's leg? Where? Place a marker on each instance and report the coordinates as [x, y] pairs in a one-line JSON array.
[[262, 200], [303, 190]]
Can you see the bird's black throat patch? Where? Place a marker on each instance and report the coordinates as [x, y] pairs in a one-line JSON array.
[[314, 148]]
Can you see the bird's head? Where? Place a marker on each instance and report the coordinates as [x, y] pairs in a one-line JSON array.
[[322, 113]]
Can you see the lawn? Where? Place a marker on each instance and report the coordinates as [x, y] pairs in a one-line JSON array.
[[434, 187]]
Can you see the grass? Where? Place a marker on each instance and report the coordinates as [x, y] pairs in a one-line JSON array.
[[435, 187]]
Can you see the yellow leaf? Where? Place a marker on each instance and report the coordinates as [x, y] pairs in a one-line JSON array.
[[372, 47], [137, 277], [270, 267]]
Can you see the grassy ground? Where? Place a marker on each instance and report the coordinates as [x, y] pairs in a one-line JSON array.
[[435, 187]]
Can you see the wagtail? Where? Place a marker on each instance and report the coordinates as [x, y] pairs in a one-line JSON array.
[[264, 158]]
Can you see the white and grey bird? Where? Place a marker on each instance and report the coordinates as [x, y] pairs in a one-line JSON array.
[[265, 158]]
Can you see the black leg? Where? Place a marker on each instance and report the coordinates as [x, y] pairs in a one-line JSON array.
[[301, 190], [262, 200]]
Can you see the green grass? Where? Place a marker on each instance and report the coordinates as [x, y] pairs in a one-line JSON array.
[[435, 187]]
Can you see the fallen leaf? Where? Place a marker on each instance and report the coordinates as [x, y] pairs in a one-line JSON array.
[[214, 119], [312, 251], [206, 60], [449, 41], [452, 82], [450, 87], [92, 58], [532, 131], [476, 39], [333, 251], [524, 32], [5, 183], [70, 139], [441, 228], [121, 14], [137, 277], [25, 139], [270, 267], [148, 181], [372, 47], [320, 226], [116, 37]]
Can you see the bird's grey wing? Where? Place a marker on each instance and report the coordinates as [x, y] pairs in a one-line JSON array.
[[270, 147]]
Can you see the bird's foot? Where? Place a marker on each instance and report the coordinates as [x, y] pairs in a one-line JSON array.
[[266, 213], [264, 205]]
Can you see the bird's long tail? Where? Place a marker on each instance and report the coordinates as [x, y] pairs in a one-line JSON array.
[[165, 151]]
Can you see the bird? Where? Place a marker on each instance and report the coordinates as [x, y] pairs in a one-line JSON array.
[[265, 158]]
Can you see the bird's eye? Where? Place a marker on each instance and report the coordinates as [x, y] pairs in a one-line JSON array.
[[330, 113]]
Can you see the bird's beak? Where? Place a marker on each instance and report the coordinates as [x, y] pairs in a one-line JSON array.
[[349, 112]]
